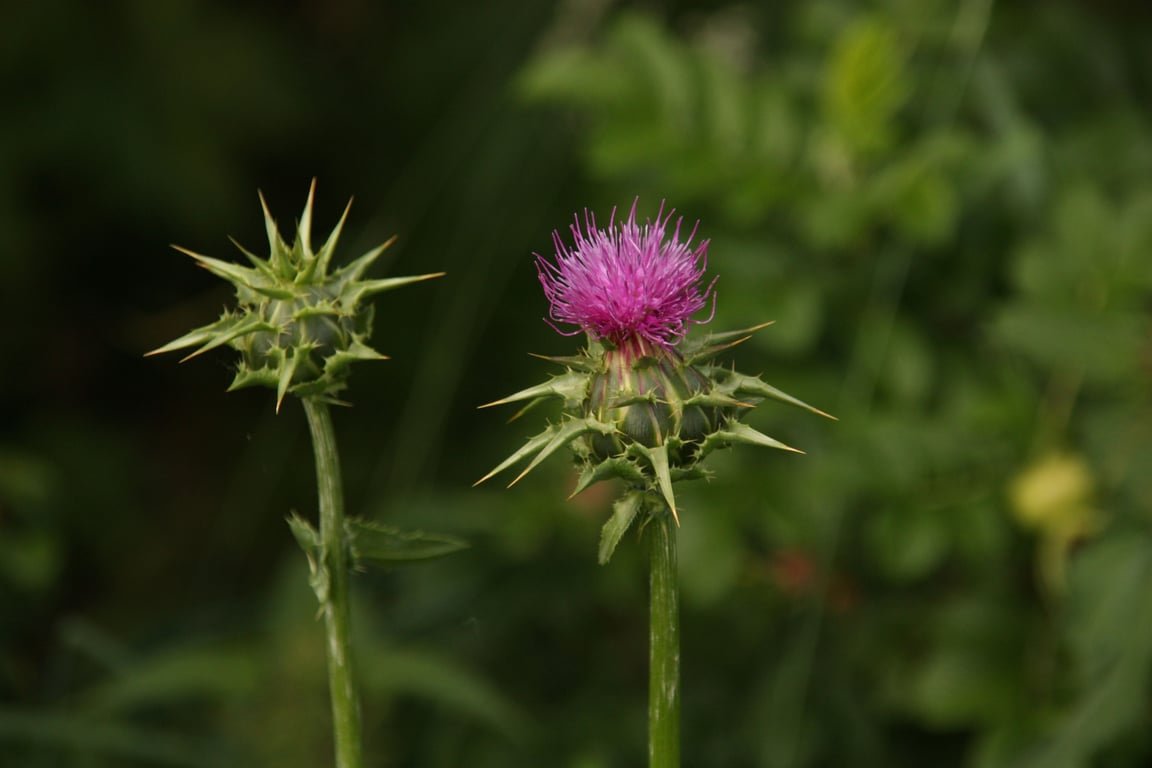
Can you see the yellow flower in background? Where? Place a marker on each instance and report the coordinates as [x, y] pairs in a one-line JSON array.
[[1054, 496]]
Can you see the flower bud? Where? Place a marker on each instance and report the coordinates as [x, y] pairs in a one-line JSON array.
[[296, 326], [646, 390], [637, 406]]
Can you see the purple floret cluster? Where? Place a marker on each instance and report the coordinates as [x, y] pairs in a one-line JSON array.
[[627, 281]]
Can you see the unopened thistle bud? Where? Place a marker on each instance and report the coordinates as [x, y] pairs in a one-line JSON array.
[[297, 327], [654, 399], [641, 402]]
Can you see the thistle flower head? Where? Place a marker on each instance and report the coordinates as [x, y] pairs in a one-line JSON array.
[[627, 281], [297, 324], [639, 405]]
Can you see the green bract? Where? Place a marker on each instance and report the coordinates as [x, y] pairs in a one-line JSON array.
[[648, 414], [297, 327]]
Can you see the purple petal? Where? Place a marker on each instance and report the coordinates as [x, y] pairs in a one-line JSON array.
[[627, 280]]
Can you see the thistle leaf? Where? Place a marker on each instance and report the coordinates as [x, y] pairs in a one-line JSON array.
[[576, 362], [530, 405], [257, 262], [534, 444], [238, 326], [357, 350], [567, 432], [569, 386], [715, 343], [276, 245], [633, 399], [713, 400], [623, 513], [246, 377], [658, 458], [304, 228], [324, 255], [352, 293], [372, 542], [274, 292], [616, 467], [739, 384], [353, 270], [217, 334], [739, 432], [323, 308], [309, 540], [193, 338], [725, 337], [335, 365], [233, 273], [287, 371], [695, 472], [306, 536]]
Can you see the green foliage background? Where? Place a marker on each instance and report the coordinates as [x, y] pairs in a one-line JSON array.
[[946, 207]]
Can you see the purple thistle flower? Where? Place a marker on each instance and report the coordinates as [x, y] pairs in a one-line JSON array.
[[626, 283]]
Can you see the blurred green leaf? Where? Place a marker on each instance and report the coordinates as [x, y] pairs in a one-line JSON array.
[[908, 543], [865, 85], [414, 672], [380, 544], [1105, 347], [173, 676], [971, 673], [30, 560], [710, 555]]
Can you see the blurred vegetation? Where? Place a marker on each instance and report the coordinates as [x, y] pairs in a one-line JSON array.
[[946, 207]]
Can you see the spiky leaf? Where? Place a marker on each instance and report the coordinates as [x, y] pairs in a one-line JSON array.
[[571, 387], [624, 512], [309, 540], [699, 350], [568, 431], [620, 468], [751, 386], [657, 458], [533, 445], [738, 432]]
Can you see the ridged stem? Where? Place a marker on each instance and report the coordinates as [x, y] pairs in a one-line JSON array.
[[664, 644], [335, 603]]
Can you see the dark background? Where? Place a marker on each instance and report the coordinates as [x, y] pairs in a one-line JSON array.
[[946, 207]]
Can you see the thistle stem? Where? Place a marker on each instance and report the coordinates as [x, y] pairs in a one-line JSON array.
[[335, 603], [664, 644]]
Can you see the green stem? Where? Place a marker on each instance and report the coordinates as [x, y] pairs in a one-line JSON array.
[[334, 601], [664, 644]]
